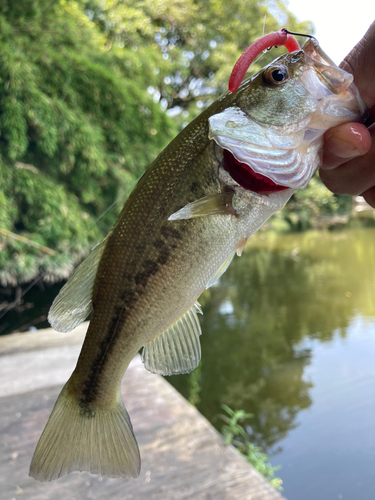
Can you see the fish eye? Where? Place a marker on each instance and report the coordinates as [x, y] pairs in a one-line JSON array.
[[276, 75]]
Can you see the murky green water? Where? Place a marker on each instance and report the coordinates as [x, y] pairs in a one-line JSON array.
[[289, 335]]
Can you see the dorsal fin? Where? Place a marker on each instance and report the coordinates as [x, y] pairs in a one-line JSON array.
[[177, 350], [73, 303]]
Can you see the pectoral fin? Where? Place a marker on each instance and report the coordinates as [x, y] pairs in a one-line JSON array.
[[73, 303], [177, 350], [213, 204]]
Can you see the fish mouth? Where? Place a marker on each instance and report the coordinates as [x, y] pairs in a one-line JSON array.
[[281, 161], [247, 178]]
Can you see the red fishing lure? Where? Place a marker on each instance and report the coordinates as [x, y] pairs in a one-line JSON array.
[[281, 37]]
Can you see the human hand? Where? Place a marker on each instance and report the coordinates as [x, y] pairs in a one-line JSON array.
[[349, 149]]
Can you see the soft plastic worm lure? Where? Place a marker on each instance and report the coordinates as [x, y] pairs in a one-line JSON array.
[[276, 39]]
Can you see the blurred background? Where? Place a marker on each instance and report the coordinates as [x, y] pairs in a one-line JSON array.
[[90, 93]]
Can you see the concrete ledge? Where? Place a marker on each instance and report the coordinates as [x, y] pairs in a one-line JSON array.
[[183, 456]]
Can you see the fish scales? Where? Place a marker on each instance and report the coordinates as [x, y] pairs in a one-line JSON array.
[[178, 231], [149, 267], [164, 266]]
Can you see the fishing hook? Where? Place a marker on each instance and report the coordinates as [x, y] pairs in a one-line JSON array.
[[297, 34]]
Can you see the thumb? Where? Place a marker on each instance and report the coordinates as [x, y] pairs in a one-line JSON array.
[[360, 62]]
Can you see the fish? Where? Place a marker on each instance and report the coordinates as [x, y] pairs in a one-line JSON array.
[[193, 209]]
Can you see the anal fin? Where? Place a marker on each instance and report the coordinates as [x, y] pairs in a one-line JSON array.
[[177, 350]]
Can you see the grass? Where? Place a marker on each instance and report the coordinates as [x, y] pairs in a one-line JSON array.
[[236, 435]]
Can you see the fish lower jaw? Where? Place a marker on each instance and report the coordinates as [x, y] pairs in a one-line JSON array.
[[247, 178], [272, 201]]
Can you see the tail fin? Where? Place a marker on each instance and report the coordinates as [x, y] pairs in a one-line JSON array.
[[99, 441]]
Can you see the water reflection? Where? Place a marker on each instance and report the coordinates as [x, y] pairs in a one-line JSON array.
[[283, 290]]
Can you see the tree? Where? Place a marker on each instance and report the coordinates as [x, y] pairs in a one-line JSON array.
[[75, 134], [90, 92], [197, 41]]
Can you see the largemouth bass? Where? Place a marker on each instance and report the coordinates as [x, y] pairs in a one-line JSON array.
[[215, 184]]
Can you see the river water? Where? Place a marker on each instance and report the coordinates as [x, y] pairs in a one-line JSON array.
[[289, 336]]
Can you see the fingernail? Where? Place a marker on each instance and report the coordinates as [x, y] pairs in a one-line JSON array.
[[341, 148]]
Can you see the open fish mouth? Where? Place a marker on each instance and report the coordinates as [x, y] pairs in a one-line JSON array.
[[268, 148], [247, 178], [260, 158]]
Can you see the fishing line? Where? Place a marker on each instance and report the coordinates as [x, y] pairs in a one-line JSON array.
[[38, 278], [264, 24], [262, 54], [298, 34]]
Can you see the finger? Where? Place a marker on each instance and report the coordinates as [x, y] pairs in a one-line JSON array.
[[355, 176], [345, 142], [360, 62], [369, 196]]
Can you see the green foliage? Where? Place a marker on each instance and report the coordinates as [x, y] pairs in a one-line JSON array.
[[195, 42], [46, 214], [235, 434], [88, 89], [73, 130], [195, 385], [308, 205]]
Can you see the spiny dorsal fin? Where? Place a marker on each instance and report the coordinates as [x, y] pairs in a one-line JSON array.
[[177, 350], [224, 266], [73, 303], [213, 204]]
